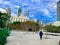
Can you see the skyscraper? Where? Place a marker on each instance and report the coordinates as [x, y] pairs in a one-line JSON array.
[[26, 13], [58, 11], [57, 23], [19, 11], [8, 10]]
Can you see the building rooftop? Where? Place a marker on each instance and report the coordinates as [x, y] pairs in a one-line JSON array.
[[57, 23], [58, 2]]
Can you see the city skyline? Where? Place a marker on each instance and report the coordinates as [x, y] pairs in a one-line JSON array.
[[39, 9]]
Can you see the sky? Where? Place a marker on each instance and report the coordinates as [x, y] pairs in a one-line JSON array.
[[44, 10]]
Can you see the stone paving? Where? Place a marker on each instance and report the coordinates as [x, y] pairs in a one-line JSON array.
[[30, 38]]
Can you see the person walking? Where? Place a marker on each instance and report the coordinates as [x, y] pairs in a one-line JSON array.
[[40, 34]]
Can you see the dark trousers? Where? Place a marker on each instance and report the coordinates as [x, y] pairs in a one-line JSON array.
[[40, 36]]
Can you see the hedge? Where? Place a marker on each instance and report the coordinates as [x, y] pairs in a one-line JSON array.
[[3, 36]]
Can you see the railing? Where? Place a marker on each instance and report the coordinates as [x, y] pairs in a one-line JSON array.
[[54, 34]]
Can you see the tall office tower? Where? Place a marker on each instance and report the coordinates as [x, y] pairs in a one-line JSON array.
[[39, 22], [19, 11], [8, 10], [58, 11], [26, 13]]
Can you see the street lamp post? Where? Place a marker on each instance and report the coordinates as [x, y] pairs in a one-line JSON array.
[[46, 29]]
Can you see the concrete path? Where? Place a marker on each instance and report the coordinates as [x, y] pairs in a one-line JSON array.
[[30, 38]]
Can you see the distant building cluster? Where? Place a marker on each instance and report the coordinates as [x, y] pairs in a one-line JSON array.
[[20, 17]]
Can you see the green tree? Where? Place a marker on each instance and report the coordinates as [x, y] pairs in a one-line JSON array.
[[1, 21], [52, 28], [16, 22], [4, 17]]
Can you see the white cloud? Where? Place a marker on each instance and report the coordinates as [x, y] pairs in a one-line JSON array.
[[1, 1], [50, 16], [46, 12], [33, 12], [13, 14], [16, 6], [55, 6], [6, 2], [17, 1], [25, 3], [32, 15], [35, 0], [2, 10], [33, 8], [52, 6]]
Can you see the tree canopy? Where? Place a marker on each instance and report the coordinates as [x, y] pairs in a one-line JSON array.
[[4, 17]]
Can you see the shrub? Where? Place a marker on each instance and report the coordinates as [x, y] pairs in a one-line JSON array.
[[54, 29], [17, 22], [3, 36]]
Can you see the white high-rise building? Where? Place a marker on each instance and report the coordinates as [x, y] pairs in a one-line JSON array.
[[8, 10], [58, 11], [26, 13], [57, 23], [19, 11]]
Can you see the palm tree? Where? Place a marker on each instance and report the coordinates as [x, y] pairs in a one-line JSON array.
[[4, 18], [1, 21]]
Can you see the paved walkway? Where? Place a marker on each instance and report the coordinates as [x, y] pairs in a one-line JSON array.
[[30, 38]]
